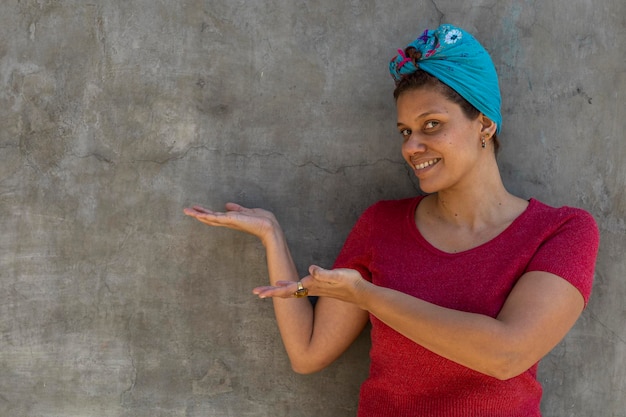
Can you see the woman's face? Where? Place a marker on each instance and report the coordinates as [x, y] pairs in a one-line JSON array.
[[440, 143]]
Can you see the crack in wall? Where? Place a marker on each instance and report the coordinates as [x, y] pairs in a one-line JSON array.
[[96, 155], [439, 12], [127, 393], [335, 171], [613, 333]]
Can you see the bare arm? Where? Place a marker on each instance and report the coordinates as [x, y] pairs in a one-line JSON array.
[[313, 338], [537, 314]]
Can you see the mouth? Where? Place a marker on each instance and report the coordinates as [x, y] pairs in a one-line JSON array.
[[427, 163]]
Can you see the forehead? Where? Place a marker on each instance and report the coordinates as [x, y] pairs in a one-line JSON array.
[[413, 104]]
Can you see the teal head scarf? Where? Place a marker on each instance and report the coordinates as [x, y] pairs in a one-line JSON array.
[[458, 60]]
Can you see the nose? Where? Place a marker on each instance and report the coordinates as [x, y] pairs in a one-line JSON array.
[[414, 144]]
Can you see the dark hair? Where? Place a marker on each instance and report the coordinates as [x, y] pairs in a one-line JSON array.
[[422, 79]]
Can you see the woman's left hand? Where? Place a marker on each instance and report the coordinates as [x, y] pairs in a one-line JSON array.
[[342, 284]]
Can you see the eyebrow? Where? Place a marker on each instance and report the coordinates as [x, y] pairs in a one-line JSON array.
[[426, 113]]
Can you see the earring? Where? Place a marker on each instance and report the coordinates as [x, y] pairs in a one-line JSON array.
[[483, 143]]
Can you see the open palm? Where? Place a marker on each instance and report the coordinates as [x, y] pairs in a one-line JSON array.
[[255, 221]]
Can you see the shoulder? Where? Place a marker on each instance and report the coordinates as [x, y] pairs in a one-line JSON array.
[[568, 245], [386, 214], [391, 207], [559, 217]]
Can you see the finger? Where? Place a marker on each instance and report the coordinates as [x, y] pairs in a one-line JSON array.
[[192, 212], [208, 218], [259, 290], [234, 207], [273, 292], [321, 274], [293, 285], [201, 209], [196, 210], [282, 289], [313, 269], [285, 283]]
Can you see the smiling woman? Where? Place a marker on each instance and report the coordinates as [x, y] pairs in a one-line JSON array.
[[466, 288], [440, 140], [421, 79]]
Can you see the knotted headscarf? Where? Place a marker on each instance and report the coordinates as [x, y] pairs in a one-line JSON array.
[[458, 60]]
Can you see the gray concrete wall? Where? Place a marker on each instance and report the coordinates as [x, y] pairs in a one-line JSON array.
[[116, 114]]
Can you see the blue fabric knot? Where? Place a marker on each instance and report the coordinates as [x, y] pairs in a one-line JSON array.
[[457, 59]]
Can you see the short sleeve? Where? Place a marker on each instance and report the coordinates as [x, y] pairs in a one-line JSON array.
[[570, 251], [356, 251]]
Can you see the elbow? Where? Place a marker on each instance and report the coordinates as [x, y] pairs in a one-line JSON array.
[[307, 367], [508, 366], [504, 374], [302, 370]]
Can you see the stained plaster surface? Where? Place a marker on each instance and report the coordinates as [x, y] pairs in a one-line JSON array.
[[114, 115]]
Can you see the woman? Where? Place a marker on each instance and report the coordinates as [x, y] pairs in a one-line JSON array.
[[466, 288]]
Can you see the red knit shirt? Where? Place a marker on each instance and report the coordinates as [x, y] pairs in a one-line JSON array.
[[407, 380]]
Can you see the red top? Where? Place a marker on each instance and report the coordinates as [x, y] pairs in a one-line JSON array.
[[408, 380]]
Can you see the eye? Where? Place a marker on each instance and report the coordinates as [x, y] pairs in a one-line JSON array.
[[406, 133], [431, 124]]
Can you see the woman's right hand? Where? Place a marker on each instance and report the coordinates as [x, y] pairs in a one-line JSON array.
[[313, 338], [258, 222]]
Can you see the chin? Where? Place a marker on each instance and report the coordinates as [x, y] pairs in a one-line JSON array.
[[428, 190], [428, 187]]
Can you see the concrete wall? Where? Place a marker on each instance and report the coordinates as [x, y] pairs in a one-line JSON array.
[[116, 114]]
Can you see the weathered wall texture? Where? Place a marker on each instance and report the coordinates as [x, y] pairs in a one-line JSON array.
[[116, 114]]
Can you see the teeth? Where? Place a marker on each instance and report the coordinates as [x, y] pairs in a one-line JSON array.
[[427, 163]]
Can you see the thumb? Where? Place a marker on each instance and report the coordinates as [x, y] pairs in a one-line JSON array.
[[321, 274], [315, 270], [233, 206]]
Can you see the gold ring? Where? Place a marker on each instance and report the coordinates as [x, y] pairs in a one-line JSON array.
[[301, 292]]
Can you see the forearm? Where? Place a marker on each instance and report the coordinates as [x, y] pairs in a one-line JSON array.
[[476, 341], [294, 316]]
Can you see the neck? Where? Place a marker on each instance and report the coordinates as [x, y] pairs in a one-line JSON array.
[[477, 204]]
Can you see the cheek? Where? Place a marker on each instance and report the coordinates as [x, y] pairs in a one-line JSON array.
[[404, 150], [406, 153], [447, 140]]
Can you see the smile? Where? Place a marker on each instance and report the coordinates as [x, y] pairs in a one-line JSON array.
[[427, 163]]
